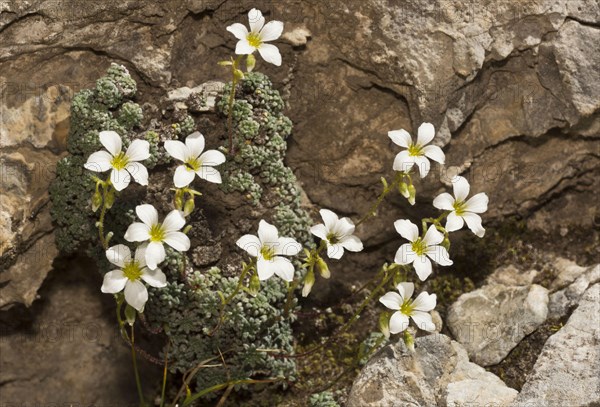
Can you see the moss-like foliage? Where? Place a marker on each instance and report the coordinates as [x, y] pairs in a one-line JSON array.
[[324, 399], [187, 309]]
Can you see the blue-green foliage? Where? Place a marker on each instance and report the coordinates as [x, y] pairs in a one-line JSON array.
[[324, 399]]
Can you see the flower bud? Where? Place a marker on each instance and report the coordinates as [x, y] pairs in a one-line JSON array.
[[250, 62], [109, 198], [239, 75], [384, 324], [130, 314], [225, 63], [409, 341], [309, 281], [323, 268], [178, 201], [403, 189], [189, 207], [254, 285], [96, 200], [187, 229], [412, 193]]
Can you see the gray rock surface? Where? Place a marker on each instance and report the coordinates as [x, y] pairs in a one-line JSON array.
[[566, 372], [438, 373], [490, 321], [563, 301]]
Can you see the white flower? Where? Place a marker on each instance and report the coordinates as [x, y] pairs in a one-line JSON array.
[[419, 249], [259, 34], [268, 248], [418, 152], [195, 161], [158, 233], [337, 233], [463, 211], [129, 274], [405, 308], [124, 165]]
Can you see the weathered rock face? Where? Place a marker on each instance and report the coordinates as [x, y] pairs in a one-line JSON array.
[[489, 322], [566, 372], [437, 373]]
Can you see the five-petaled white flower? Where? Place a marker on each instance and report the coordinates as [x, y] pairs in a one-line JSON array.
[[463, 210], [259, 34], [337, 233], [420, 248], [416, 153], [129, 274], [268, 248], [124, 165], [158, 233], [406, 308], [196, 162]]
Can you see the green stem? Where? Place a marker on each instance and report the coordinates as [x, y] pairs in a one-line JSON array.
[[102, 215], [231, 101], [386, 190], [312, 258], [188, 401], [164, 383], [135, 370]]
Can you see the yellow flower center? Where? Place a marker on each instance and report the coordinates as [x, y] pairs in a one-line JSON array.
[[415, 150], [267, 252], [193, 164], [119, 161], [419, 247], [333, 239], [254, 40], [407, 308], [459, 208], [132, 270], [157, 234]]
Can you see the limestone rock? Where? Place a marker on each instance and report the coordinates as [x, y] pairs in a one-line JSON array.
[[566, 372], [437, 373], [562, 301], [490, 321]]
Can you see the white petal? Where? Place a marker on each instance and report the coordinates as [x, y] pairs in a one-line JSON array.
[[183, 176], [454, 222], [344, 227], [403, 161], [283, 268], [423, 320], [173, 221], [119, 255], [136, 294], [335, 251], [120, 179], [433, 236], [477, 203], [407, 229], [474, 223], [270, 53], [425, 134], [243, 47], [398, 322], [250, 243], [98, 162], [256, 19], [238, 30], [351, 243], [267, 233], [405, 254], [423, 165], [114, 281], [140, 255], [461, 188], [288, 247], [139, 150], [444, 201], [177, 150], [147, 214], [330, 219], [440, 255], [406, 290], [155, 254], [138, 172], [155, 278], [195, 144], [178, 241], [137, 232], [264, 269], [319, 231], [422, 266], [435, 153], [111, 141], [271, 31], [209, 174], [392, 300], [212, 158], [400, 137], [425, 302]]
